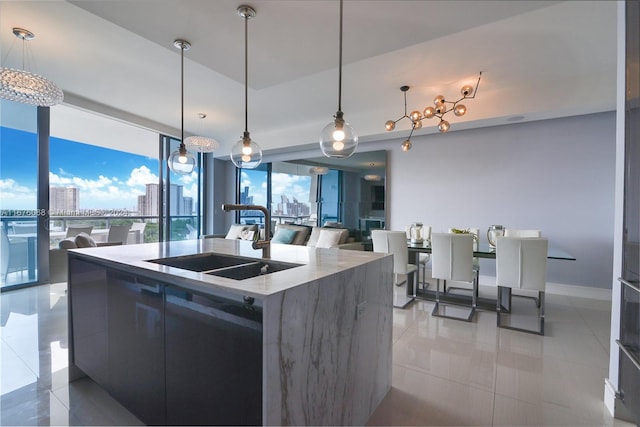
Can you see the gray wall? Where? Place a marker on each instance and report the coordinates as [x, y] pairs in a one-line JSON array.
[[554, 175]]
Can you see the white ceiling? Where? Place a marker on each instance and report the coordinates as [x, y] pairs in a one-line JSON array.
[[539, 59]]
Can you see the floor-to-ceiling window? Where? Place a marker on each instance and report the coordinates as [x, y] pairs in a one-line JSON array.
[[18, 193], [330, 196], [253, 189], [293, 188], [102, 172], [65, 167], [180, 198]]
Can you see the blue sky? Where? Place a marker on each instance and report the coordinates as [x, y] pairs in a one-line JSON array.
[[106, 178]]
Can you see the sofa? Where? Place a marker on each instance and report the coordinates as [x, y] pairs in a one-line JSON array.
[[58, 264], [302, 235]]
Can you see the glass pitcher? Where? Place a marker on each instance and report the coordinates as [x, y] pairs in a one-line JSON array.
[[416, 232], [493, 233]]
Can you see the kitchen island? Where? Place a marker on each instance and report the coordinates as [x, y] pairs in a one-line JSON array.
[[178, 343]]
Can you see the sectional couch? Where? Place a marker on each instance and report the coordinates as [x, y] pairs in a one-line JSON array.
[[292, 234]]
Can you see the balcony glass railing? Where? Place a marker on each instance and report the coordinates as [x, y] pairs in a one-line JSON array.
[[18, 263]]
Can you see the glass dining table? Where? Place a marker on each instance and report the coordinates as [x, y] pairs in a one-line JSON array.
[[481, 250]]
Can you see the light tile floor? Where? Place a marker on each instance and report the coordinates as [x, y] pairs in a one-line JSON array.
[[445, 372]]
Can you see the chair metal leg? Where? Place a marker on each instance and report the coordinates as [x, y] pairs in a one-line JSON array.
[[501, 312], [436, 307]]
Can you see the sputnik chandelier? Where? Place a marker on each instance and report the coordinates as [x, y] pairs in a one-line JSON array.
[[440, 108]]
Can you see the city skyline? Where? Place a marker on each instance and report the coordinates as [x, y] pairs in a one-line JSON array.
[[105, 178]]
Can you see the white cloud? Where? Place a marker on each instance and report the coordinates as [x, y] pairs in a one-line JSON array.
[[291, 186], [187, 179], [141, 176], [16, 196]]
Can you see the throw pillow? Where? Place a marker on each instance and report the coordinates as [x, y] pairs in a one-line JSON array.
[[247, 234], [235, 231], [83, 240], [315, 235], [68, 243], [329, 238], [301, 236], [284, 235]]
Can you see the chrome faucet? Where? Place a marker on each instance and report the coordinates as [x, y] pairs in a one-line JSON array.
[[265, 244]]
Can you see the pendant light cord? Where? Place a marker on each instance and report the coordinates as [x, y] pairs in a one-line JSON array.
[[246, 72], [340, 64], [182, 96]]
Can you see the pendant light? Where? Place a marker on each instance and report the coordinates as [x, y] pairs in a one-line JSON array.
[[23, 86], [181, 161], [245, 153], [201, 144], [338, 139]]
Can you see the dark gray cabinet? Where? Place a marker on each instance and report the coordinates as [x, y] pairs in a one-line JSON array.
[[88, 320], [136, 345], [168, 355], [214, 360]]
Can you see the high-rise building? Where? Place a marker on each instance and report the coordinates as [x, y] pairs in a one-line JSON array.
[[64, 200], [187, 205], [179, 205], [142, 205], [245, 198], [148, 204]]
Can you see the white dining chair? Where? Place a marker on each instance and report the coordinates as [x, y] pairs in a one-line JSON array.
[[452, 259], [395, 242], [521, 262], [516, 232], [519, 232], [475, 232]]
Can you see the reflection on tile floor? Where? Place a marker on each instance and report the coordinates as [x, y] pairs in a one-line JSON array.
[[445, 372]]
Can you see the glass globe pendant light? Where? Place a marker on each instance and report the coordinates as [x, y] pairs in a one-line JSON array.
[[246, 153], [181, 161], [338, 139]]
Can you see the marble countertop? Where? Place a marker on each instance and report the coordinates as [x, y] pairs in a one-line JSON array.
[[316, 263]]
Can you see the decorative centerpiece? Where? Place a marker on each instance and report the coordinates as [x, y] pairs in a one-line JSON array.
[[416, 232]]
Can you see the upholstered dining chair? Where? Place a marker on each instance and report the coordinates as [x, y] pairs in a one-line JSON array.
[[475, 232], [521, 262], [74, 231], [519, 232], [515, 232], [395, 242], [118, 233], [424, 258], [452, 259]]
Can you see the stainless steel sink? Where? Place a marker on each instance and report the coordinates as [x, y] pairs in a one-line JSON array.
[[253, 269], [231, 267], [202, 262]]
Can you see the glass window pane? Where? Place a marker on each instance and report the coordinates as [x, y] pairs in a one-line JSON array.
[[102, 172], [291, 193], [182, 199], [18, 191], [253, 191], [330, 198]]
